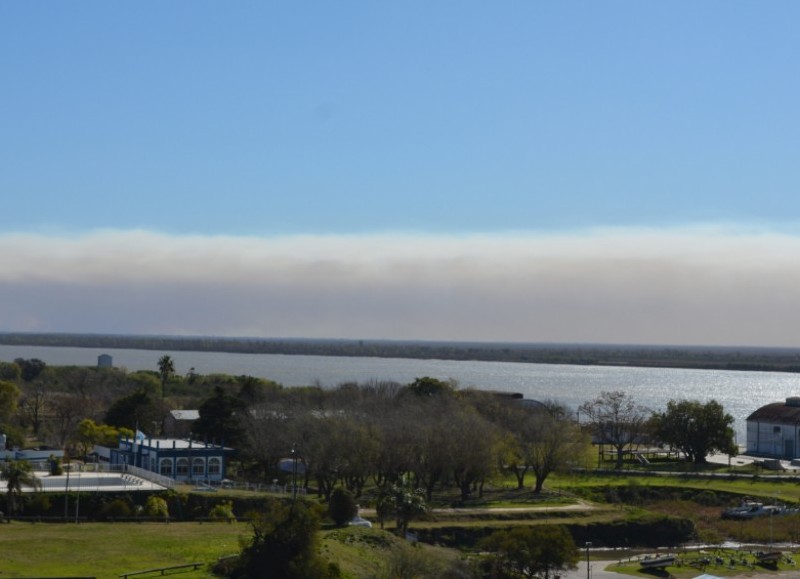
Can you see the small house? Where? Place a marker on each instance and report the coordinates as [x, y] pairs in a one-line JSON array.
[[178, 423], [774, 430]]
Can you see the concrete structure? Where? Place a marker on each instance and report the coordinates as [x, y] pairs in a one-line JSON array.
[[181, 459], [774, 430], [32, 455], [105, 361]]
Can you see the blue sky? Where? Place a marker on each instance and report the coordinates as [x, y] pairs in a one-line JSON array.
[[168, 131]]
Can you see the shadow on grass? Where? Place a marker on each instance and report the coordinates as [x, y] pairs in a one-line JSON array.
[[662, 573]]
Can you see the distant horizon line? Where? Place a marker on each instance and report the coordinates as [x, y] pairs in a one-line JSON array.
[[5, 335]]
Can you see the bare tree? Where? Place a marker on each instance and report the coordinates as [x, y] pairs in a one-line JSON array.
[[33, 408], [617, 420], [67, 411], [551, 440]]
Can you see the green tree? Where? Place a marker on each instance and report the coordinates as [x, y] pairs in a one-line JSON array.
[[695, 428], [17, 474], [404, 501], [342, 508], [284, 543], [90, 433], [10, 371], [427, 386], [137, 410], [30, 368], [166, 370], [9, 398], [220, 418], [531, 552]]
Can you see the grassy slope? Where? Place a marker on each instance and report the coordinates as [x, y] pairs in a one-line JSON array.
[[785, 489], [363, 552], [105, 550]]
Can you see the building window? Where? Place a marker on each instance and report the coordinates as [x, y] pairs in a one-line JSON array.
[[214, 466], [183, 467], [198, 467], [166, 467]]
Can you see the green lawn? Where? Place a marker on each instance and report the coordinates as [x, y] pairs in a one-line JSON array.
[[108, 549], [784, 489], [105, 550]]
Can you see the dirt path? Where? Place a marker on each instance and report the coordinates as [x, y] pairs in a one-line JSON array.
[[580, 505]]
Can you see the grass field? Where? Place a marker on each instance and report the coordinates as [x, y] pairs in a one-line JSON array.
[[106, 550]]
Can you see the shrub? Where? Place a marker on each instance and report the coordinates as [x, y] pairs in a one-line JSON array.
[[156, 507], [116, 509], [285, 542], [222, 512], [39, 504], [342, 507]]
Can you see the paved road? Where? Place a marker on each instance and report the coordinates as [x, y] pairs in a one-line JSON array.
[[598, 572]]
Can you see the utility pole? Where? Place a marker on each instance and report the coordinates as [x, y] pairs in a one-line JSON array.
[[588, 568]]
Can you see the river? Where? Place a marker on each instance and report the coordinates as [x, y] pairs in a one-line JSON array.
[[739, 392]]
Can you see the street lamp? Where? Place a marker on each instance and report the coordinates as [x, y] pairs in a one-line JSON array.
[[296, 456], [588, 568], [294, 475]]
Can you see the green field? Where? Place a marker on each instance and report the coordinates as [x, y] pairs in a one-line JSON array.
[[106, 550], [109, 549]]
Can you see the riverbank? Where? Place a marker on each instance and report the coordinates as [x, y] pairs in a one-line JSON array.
[[642, 356]]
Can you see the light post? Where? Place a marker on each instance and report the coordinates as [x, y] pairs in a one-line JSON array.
[[296, 456], [294, 475], [66, 487], [588, 568]]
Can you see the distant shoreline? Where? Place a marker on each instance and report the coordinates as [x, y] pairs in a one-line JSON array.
[[690, 357]]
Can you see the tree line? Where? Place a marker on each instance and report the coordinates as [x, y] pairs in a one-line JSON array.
[[353, 435]]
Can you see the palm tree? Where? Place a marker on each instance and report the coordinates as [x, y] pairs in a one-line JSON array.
[[18, 473], [166, 368]]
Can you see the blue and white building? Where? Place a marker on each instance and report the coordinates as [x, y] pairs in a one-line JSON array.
[[181, 459]]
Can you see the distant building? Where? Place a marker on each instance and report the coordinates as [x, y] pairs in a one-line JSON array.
[[774, 430], [179, 422], [32, 455], [182, 459], [105, 361]]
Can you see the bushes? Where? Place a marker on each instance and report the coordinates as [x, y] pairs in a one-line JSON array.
[[222, 512], [649, 531], [116, 509], [156, 507], [284, 542], [342, 507]]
